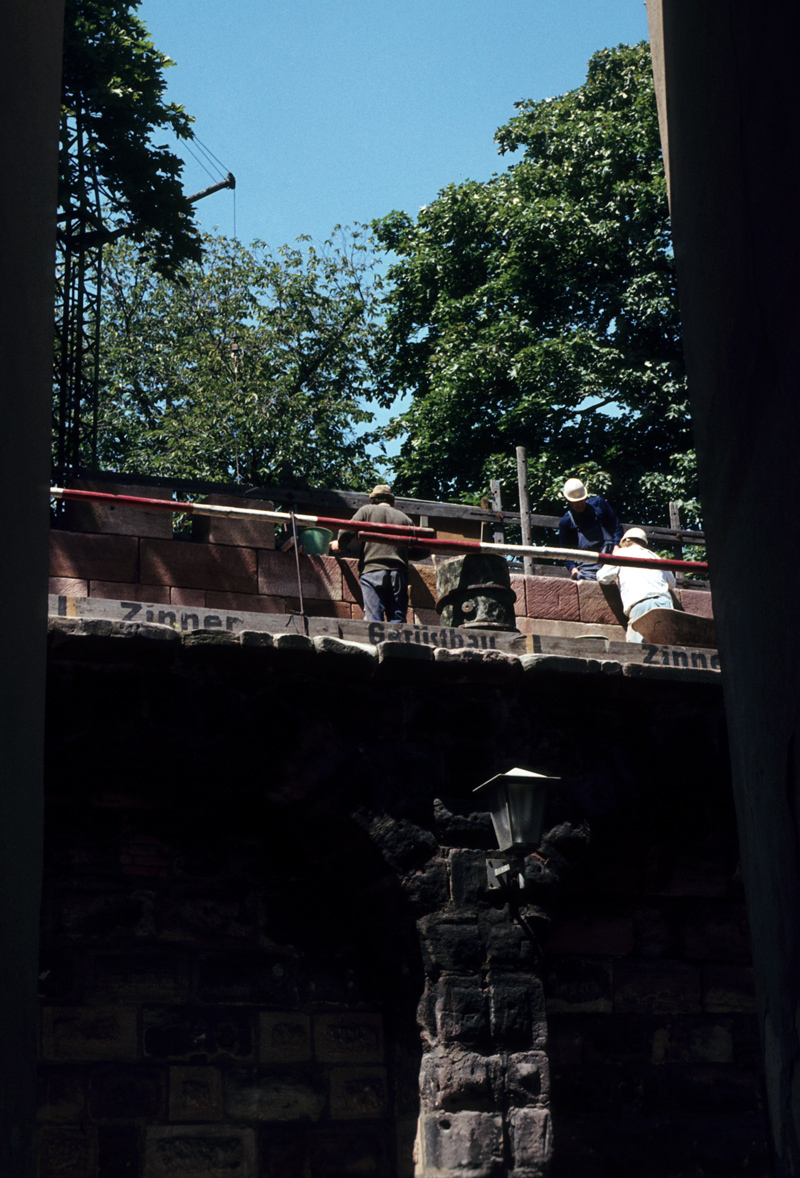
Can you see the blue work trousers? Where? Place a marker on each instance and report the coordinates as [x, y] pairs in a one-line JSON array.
[[664, 601], [385, 593]]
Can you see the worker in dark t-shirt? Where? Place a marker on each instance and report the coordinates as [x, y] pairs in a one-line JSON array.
[[382, 568]]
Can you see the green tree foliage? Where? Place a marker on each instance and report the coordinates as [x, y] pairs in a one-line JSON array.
[[253, 366], [540, 309], [112, 103]]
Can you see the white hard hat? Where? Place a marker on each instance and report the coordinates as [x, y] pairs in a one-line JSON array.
[[574, 490], [635, 534]]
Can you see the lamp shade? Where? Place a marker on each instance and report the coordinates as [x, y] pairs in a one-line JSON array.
[[516, 801]]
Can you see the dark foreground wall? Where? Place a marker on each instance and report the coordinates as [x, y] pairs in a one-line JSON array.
[[267, 945], [727, 74], [30, 74]]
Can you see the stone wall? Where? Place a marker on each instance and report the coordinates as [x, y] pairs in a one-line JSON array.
[[268, 947], [653, 1039], [129, 554]]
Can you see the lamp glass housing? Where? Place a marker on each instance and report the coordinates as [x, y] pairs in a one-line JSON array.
[[517, 800]]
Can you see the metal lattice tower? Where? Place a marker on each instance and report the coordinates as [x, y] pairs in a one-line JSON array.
[[79, 268]]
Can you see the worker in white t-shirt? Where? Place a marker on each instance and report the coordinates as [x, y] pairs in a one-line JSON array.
[[641, 589]]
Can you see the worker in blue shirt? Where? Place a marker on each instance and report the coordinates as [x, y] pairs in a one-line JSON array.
[[589, 523]]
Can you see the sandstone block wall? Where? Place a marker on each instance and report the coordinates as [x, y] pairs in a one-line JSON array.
[[129, 554]]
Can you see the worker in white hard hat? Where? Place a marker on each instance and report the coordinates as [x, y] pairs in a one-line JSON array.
[[590, 523], [640, 589]]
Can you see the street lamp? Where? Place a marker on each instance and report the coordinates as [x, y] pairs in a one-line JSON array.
[[516, 800]]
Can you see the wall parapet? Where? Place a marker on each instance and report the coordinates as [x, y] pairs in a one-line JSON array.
[[238, 577]]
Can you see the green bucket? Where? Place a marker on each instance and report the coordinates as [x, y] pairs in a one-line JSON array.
[[316, 541]]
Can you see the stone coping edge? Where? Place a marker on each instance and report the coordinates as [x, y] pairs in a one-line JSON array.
[[364, 658]]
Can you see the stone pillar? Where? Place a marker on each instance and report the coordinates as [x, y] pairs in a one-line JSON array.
[[484, 1084]]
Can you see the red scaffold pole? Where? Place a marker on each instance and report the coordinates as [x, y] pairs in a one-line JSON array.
[[409, 531], [399, 534]]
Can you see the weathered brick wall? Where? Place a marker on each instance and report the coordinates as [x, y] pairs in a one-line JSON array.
[[653, 1040], [268, 948], [129, 554]]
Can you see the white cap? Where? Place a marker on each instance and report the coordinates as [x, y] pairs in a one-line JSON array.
[[635, 534]]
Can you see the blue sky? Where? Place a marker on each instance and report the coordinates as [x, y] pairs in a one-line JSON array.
[[332, 112]]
